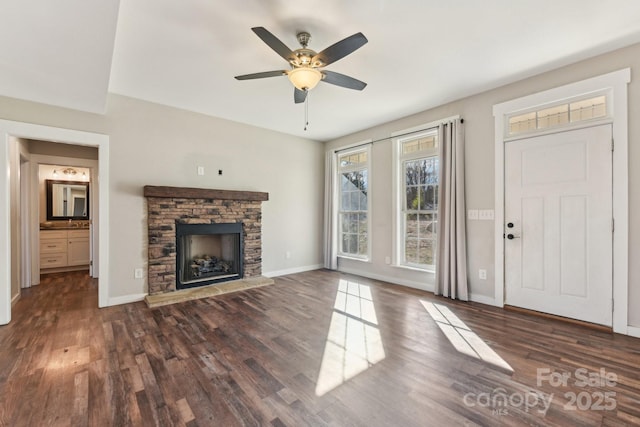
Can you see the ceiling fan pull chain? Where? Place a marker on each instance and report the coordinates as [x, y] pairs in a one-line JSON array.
[[306, 111]]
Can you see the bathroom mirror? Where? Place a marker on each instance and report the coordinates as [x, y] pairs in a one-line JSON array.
[[67, 200]]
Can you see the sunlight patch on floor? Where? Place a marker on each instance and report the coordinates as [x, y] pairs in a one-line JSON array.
[[353, 342], [462, 337]]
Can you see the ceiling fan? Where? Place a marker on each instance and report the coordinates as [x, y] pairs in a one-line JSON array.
[[306, 65]]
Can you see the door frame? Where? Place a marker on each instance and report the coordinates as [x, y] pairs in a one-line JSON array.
[[10, 129], [615, 85]]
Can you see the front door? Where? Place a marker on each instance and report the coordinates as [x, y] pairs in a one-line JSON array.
[[558, 224]]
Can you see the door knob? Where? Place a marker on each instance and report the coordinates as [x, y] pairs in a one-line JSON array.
[[510, 225], [511, 236]]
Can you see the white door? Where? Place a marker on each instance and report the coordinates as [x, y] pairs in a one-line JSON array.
[[558, 224]]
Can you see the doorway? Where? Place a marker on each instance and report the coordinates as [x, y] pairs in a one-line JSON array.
[[11, 129], [558, 224], [613, 85]]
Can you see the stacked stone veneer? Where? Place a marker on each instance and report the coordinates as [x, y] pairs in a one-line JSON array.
[[168, 206]]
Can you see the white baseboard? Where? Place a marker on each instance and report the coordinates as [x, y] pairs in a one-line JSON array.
[[126, 299], [292, 270], [483, 299], [393, 280], [15, 299], [633, 331]]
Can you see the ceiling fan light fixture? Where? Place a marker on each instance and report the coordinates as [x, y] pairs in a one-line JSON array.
[[304, 78]]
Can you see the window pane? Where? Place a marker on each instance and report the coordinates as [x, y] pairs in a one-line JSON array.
[[553, 116], [344, 181], [588, 109], [411, 251], [363, 201], [412, 173], [410, 146], [355, 200], [362, 244], [344, 221], [412, 198], [345, 243], [353, 243], [430, 196], [522, 123], [427, 226], [425, 251], [431, 171], [364, 181], [344, 201], [411, 225], [420, 144], [362, 222]]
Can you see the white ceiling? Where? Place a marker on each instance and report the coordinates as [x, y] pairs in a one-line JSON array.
[[421, 53]]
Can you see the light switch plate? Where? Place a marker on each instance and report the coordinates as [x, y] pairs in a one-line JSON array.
[[485, 214], [472, 214]]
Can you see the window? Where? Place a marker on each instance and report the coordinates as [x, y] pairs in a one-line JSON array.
[[419, 200], [559, 115], [353, 178]]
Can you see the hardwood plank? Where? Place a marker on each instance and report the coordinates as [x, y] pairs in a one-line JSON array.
[[255, 358]]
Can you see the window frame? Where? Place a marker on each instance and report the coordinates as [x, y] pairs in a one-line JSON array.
[[400, 210], [339, 211]]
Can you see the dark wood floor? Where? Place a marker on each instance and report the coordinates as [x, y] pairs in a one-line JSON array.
[[317, 348]]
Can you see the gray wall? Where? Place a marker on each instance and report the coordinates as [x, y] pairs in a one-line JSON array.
[[479, 127], [151, 144]]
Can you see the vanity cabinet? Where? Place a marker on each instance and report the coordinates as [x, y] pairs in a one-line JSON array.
[[64, 249], [78, 247]]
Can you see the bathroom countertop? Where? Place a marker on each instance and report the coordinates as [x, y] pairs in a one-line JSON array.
[[63, 228]]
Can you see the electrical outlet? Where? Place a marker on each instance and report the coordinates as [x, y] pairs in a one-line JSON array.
[[287, 255], [482, 274], [387, 260], [138, 273], [472, 214], [200, 170]]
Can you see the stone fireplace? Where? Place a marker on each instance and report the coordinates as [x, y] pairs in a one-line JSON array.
[[202, 223]]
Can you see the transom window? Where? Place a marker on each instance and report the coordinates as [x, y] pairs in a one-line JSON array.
[[353, 178], [419, 207], [559, 115]]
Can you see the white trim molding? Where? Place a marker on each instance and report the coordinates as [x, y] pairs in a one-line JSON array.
[[126, 299], [292, 270], [10, 129], [633, 331], [615, 85], [429, 287]]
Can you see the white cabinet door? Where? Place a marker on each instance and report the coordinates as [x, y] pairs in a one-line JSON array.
[[558, 224], [78, 251]]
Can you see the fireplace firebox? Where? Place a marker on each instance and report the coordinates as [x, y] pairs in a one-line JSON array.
[[208, 253]]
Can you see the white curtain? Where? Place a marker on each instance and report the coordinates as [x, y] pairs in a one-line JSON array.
[[451, 258], [330, 218]]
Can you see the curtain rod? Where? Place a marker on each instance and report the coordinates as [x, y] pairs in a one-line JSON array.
[[389, 137]]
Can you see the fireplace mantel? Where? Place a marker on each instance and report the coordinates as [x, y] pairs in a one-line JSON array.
[[203, 193]]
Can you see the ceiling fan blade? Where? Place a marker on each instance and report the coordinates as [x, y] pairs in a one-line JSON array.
[[274, 43], [299, 95], [341, 49], [342, 80], [261, 75]]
